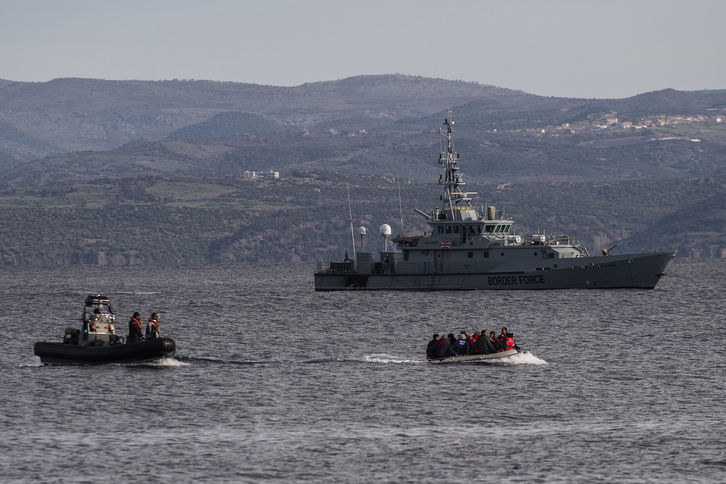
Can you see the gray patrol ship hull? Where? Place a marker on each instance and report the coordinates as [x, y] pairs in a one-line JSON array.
[[638, 271]]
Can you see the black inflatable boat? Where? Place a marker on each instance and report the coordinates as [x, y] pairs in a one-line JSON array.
[[97, 344]]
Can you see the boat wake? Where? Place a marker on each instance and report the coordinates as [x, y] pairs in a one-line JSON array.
[[384, 358], [523, 358], [162, 363], [188, 360], [36, 363]]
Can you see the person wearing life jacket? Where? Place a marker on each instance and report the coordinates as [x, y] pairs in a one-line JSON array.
[[510, 336], [462, 345], [506, 340], [152, 327], [503, 339], [135, 329], [472, 342]]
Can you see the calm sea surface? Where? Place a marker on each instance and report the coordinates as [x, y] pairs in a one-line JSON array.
[[275, 382]]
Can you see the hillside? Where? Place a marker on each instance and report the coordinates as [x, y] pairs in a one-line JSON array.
[[132, 172], [64, 115], [304, 217], [485, 156]]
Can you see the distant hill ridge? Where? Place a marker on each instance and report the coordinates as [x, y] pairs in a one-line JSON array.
[[406, 87], [39, 119], [74, 114]]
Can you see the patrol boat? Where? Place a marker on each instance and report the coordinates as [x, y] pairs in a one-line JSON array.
[[469, 249], [97, 343]]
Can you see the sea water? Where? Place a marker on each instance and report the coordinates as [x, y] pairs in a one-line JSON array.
[[274, 382]]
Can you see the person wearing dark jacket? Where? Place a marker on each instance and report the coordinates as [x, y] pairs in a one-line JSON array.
[[494, 341], [431, 347], [503, 339], [483, 345], [135, 329], [452, 339], [444, 349]]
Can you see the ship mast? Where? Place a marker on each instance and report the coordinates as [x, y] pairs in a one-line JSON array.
[[454, 199]]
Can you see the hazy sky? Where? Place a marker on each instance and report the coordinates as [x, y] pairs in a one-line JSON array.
[[570, 48]]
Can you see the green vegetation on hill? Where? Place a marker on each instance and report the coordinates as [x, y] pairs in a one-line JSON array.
[[485, 156], [224, 125], [304, 217]]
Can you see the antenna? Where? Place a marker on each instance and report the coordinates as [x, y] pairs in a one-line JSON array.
[[400, 209], [350, 212]]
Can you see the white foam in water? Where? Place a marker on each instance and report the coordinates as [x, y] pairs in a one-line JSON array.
[[166, 362], [524, 358], [37, 362], [384, 358]]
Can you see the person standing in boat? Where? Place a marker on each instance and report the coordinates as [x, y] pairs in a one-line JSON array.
[[135, 328], [95, 322], [152, 327]]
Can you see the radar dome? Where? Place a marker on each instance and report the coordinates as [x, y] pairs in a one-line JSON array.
[[385, 230], [361, 230]]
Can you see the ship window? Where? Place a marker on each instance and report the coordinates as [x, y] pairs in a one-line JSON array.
[[506, 228], [490, 229], [472, 229], [440, 229], [448, 229], [498, 229], [470, 255], [456, 229], [486, 255]]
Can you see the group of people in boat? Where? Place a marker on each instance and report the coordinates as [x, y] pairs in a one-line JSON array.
[[153, 330], [479, 343]]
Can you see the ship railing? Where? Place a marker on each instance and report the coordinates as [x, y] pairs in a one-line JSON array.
[[336, 267], [539, 239]]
